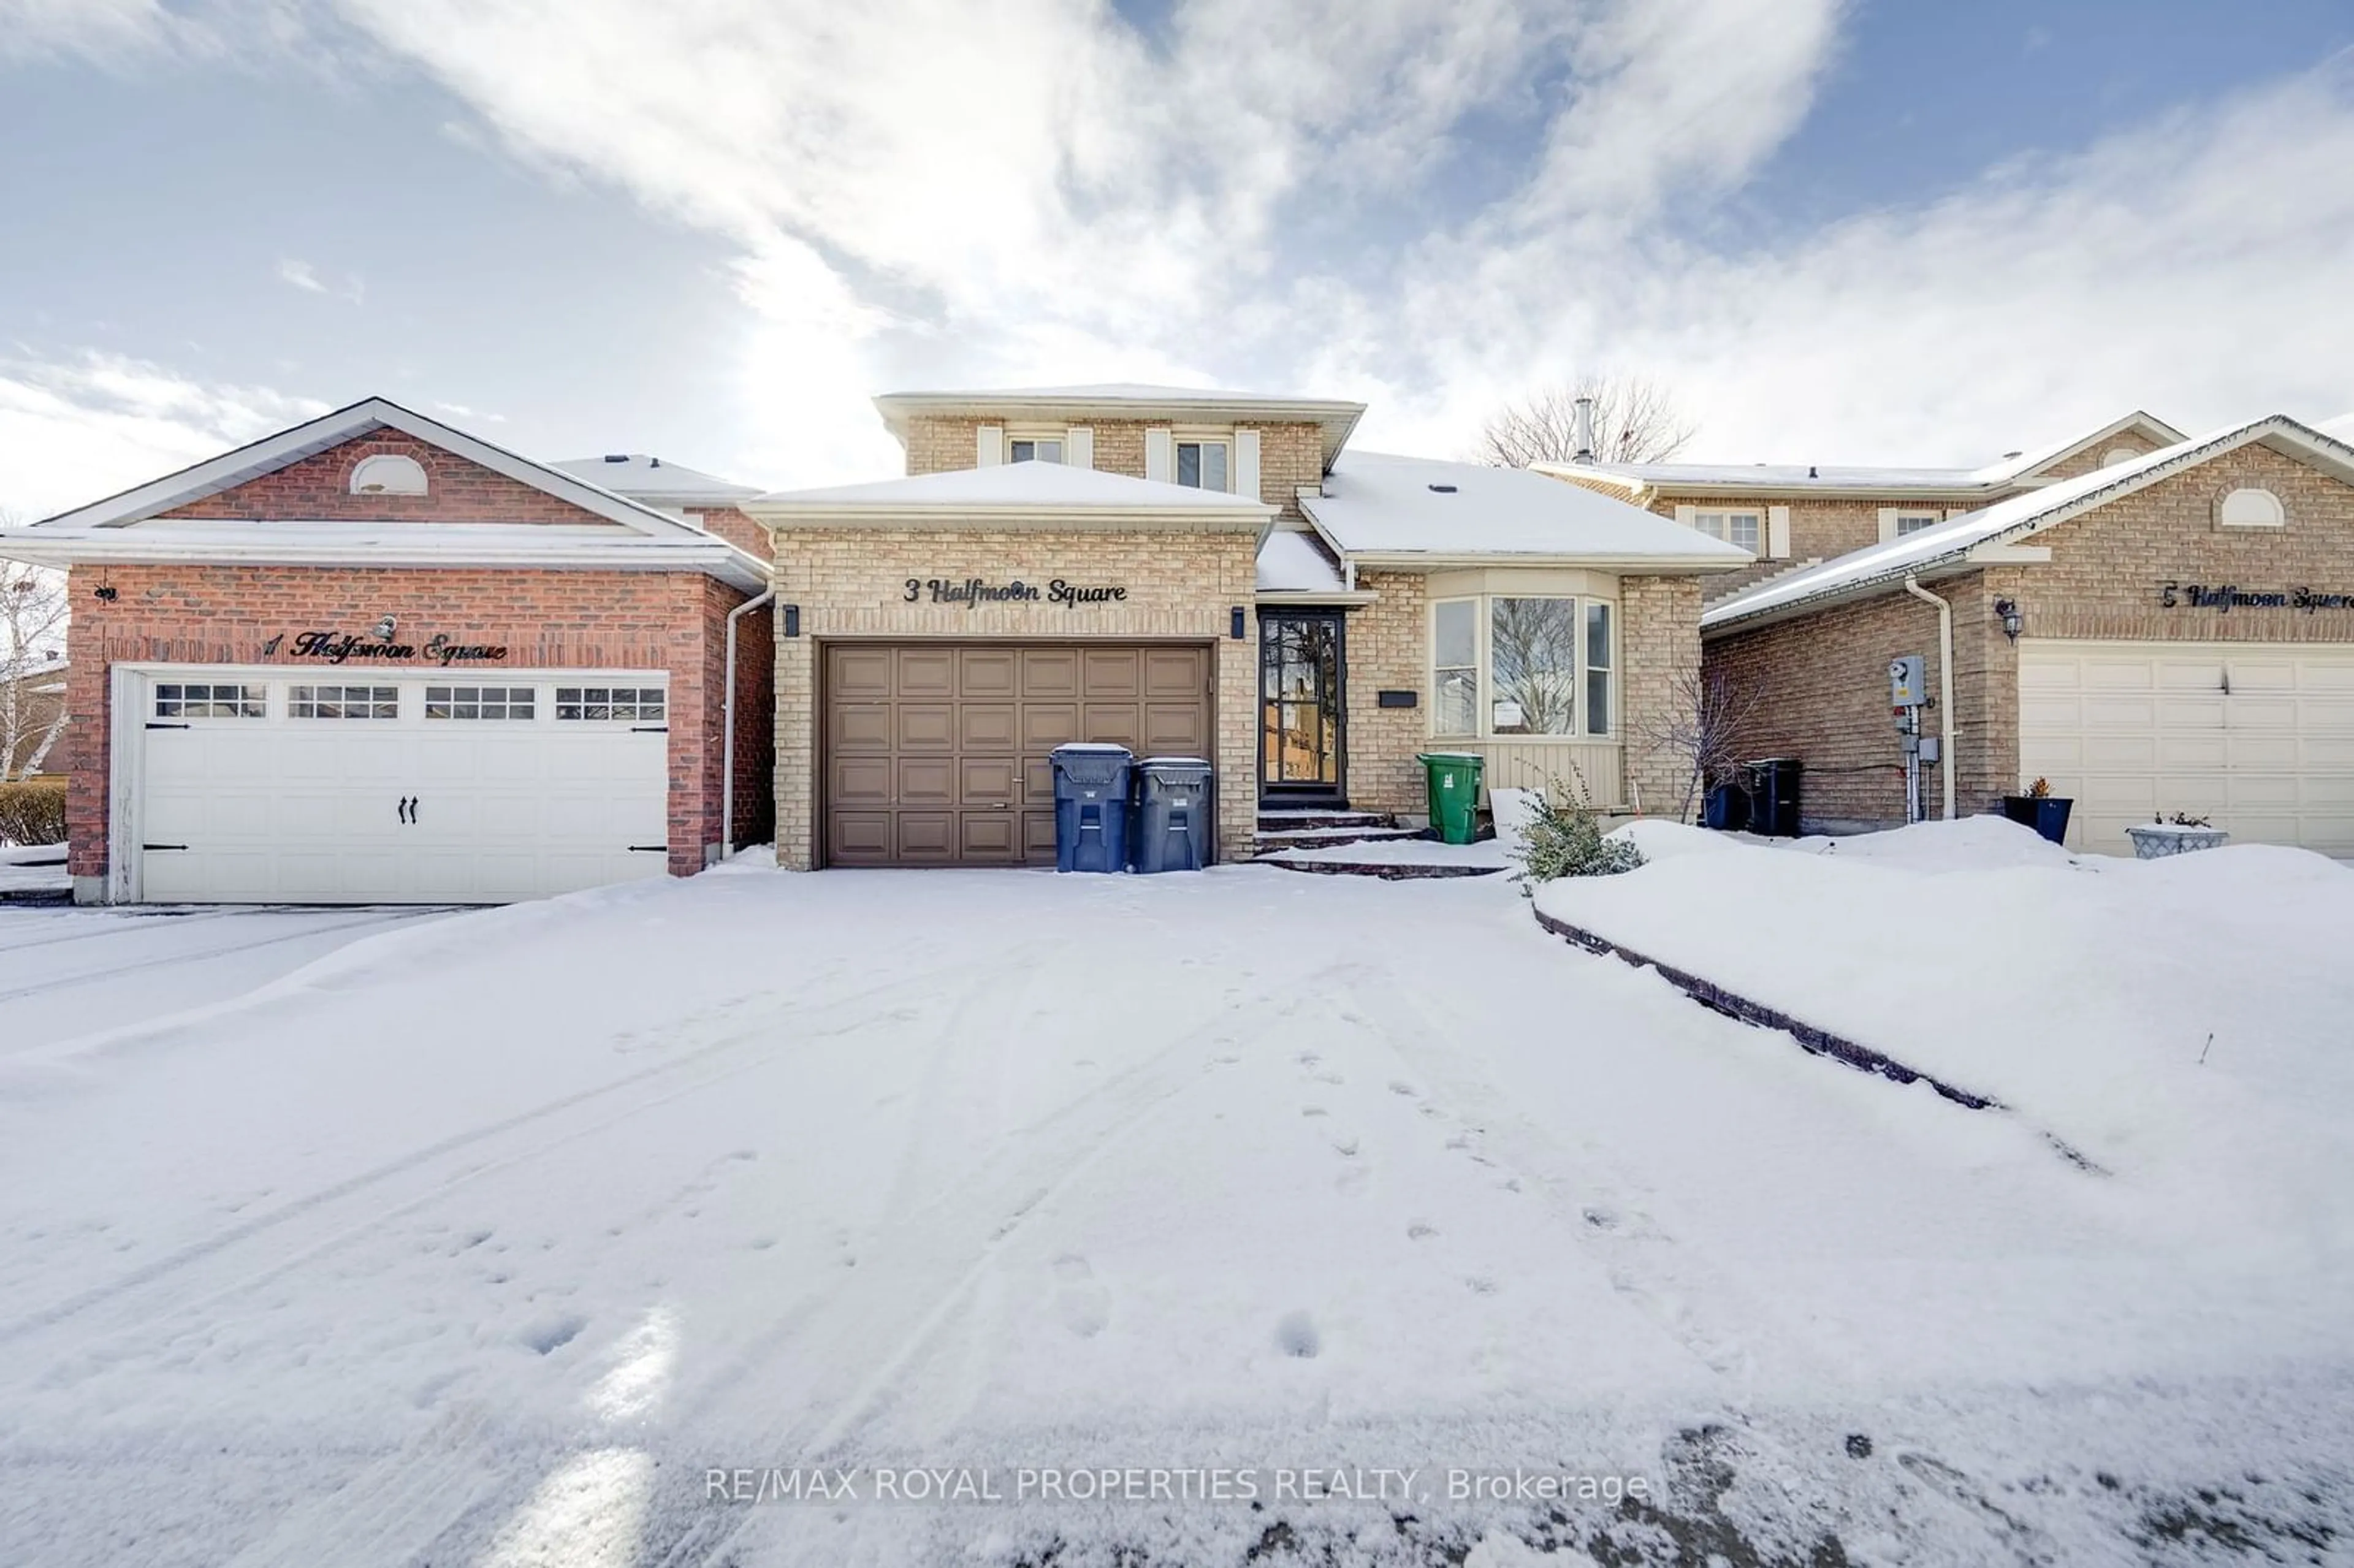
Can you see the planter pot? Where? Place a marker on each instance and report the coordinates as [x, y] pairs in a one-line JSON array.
[[2047, 814], [2156, 840]]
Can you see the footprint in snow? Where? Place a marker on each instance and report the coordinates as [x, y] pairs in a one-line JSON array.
[[1420, 1232], [1478, 1285], [1400, 1087], [1307, 1058], [552, 1334], [1345, 1146], [1313, 1110], [1296, 1335], [1080, 1300]]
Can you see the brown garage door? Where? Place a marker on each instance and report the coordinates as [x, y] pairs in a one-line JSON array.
[[935, 754]]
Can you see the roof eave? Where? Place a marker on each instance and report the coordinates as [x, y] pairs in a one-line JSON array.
[[711, 557], [1649, 566]]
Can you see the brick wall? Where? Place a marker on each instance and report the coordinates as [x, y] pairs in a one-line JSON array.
[[1660, 660], [1388, 649], [318, 489], [734, 526], [2087, 460], [226, 615], [1289, 455], [1181, 587]]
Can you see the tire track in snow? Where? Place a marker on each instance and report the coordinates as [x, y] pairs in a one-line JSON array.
[[1589, 1196], [922, 1278], [167, 1267], [116, 972]]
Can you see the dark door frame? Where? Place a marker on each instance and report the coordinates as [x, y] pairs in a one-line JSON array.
[[1335, 794]]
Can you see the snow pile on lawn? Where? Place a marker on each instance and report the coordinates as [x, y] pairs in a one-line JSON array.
[[2080, 993], [1401, 852]]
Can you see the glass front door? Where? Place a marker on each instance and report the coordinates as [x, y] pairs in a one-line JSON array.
[[1300, 707]]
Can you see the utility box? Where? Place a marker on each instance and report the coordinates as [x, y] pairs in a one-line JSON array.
[[1908, 681]]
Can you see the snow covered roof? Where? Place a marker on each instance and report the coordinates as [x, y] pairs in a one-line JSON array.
[[1959, 543], [1291, 562], [615, 532], [1037, 494], [1128, 400], [2013, 469], [641, 477], [1406, 510]]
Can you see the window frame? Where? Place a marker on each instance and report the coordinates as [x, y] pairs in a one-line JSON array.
[[1179, 442], [1059, 439], [1725, 516], [515, 704], [251, 701], [304, 695], [1483, 670], [584, 697]]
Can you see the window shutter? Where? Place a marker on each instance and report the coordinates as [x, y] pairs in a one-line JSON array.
[[1159, 457], [1079, 447], [1887, 524], [1688, 515], [1247, 463], [1777, 532], [989, 447]]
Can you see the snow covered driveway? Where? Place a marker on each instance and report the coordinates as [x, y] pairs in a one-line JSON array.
[[491, 1241]]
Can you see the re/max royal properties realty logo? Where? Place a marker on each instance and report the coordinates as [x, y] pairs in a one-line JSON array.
[[966, 1484]]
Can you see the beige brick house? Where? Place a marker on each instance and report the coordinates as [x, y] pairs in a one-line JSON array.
[[1199, 573], [1791, 516], [2173, 631]]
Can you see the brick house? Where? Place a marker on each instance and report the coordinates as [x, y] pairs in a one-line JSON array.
[[2173, 631], [1793, 515], [1201, 573], [372, 657]]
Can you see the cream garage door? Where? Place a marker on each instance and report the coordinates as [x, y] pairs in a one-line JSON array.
[[2258, 737], [368, 787]]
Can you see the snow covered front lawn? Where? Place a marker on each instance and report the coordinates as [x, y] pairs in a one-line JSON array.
[[1191, 1219]]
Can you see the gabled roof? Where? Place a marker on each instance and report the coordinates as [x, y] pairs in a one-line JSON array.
[[1031, 495], [642, 478], [1814, 479], [126, 526], [1411, 511], [1960, 542], [1291, 562], [1126, 400]]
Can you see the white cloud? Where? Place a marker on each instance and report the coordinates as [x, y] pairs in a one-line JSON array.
[[73, 431], [304, 276]]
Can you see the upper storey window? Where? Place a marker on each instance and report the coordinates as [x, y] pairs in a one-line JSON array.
[[1740, 528], [1024, 449], [1202, 465], [388, 474]]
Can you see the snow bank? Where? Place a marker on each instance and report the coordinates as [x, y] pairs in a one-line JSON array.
[[1403, 852], [2080, 993]]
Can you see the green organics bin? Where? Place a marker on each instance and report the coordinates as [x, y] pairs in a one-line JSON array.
[[1454, 793]]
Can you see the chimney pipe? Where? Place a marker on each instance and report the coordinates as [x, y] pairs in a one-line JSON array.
[[1585, 430]]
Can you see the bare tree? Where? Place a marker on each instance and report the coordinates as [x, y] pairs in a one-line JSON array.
[[1705, 731], [32, 645], [1635, 420]]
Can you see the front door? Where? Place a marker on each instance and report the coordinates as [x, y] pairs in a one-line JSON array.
[[1302, 708]]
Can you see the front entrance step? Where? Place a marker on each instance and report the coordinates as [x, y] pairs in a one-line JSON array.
[[1268, 840], [1301, 818]]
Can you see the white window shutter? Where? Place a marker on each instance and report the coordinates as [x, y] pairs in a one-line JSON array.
[[1888, 515], [1159, 457], [1247, 463], [1079, 446], [1777, 532], [989, 447], [1688, 515]]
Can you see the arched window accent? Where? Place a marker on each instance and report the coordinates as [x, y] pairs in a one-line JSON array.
[[2116, 455], [2250, 508], [388, 474]]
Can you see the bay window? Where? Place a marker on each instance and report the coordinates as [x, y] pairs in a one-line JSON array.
[[1535, 665]]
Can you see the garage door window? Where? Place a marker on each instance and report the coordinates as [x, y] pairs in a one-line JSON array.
[[480, 702], [628, 705], [343, 702], [180, 700]]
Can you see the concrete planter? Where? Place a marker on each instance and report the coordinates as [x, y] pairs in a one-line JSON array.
[[2156, 840]]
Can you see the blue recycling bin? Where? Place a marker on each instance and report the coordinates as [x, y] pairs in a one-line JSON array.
[[1176, 817], [1091, 783]]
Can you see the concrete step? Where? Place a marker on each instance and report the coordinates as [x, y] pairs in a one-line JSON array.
[[1305, 819], [1315, 838]]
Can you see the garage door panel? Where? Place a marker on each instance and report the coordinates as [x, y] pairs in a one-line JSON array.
[[855, 727], [2142, 728], [862, 781], [983, 793], [860, 673]]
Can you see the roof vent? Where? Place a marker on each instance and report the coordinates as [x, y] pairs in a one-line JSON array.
[[1811, 473], [616, 457], [1444, 489], [2009, 455]]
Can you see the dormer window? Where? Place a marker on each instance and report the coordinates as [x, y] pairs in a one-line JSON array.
[[388, 474], [1202, 465], [1025, 449]]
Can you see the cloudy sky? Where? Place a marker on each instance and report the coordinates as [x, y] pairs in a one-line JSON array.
[[712, 228]]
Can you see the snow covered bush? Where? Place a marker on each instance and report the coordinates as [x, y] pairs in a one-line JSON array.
[[33, 813], [1562, 837]]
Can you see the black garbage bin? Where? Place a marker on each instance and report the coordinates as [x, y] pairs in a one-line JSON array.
[[1774, 797], [1091, 807], [1176, 819]]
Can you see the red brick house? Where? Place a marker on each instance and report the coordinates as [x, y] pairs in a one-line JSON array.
[[373, 658]]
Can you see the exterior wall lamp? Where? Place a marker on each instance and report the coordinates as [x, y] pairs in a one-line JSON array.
[[1234, 627], [792, 621], [2007, 611]]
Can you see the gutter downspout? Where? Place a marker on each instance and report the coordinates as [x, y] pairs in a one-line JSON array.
[[1945, 684], [727, 730]]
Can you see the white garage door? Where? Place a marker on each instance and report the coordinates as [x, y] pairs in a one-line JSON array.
[[368, 787], [2259, 738]]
